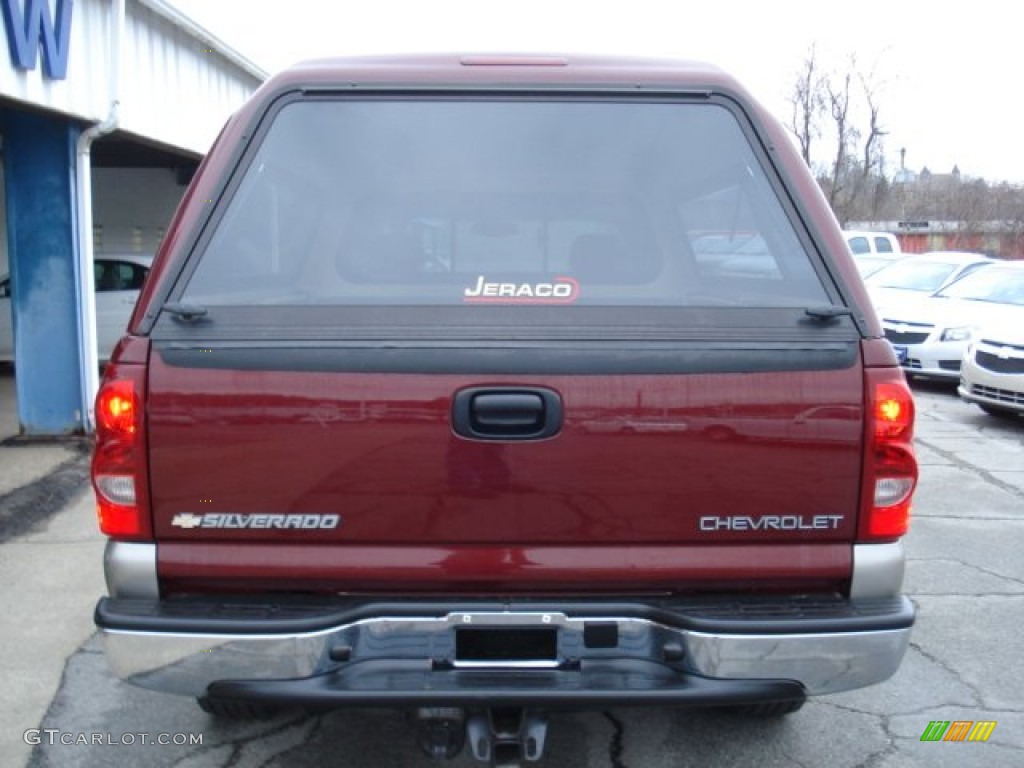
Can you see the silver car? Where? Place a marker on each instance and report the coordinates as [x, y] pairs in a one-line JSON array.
[[118, 279]]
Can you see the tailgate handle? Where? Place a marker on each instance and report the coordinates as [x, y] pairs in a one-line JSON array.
[[490, 413]]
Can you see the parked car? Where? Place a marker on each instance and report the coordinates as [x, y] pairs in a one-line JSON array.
[[868, 264], [740, 254], [404, 415], [871, 243], [992, 374], [920, 275], [118, 279], [822, 424], [931, 334], [872, 250]]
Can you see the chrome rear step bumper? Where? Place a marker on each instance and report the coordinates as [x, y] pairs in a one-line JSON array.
[[710, 651]]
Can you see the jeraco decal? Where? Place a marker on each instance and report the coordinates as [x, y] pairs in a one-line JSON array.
[[560, 290]]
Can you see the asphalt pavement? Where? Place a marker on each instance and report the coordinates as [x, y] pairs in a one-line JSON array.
[[51, 570]]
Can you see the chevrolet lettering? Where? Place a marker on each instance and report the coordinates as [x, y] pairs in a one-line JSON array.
[[771, 523], [612, 421]]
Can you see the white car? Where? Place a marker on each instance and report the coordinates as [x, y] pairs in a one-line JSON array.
[[868, 264], [993, 371], [871, 243], [872, 250], [118, 279], [931, 334], [920, 275]]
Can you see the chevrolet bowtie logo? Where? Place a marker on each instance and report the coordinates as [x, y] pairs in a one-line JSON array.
[[187, 520]]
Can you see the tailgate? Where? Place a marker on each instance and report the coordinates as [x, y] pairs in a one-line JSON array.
[[647, 477]]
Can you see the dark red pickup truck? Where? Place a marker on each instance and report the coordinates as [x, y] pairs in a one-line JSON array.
[[484, 386]]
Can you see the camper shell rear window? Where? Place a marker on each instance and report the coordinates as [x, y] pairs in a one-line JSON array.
[[412, 201]]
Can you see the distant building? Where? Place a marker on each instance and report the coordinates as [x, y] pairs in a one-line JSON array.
[[939, 180], [904, 175], [928, 180], [999, 239]]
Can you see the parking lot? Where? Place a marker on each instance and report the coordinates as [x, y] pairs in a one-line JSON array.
[[964, 573]]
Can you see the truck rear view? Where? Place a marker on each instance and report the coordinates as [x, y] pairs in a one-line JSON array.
[[485, 386]]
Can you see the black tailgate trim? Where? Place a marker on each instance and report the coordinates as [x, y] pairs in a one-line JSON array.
[[578, 359]]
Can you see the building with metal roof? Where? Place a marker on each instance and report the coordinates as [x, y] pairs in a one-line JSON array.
[[106, 108]]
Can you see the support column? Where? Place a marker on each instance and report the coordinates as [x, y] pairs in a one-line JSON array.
[[39, 171]]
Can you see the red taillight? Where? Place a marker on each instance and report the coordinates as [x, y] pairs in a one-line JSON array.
[[893, 411], [116, 408], [890, 466], [118, 462]]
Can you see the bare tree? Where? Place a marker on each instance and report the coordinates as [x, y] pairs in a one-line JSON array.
[[808, 105], [845, 135], [873, 163], [865, 188], [843, 109]]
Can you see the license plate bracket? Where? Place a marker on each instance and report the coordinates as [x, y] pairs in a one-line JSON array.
[[506, 645]]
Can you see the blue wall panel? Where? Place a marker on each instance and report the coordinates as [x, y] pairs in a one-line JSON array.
[[39, 170]]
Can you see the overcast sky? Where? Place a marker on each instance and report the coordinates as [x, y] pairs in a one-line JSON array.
[[948, 74]]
